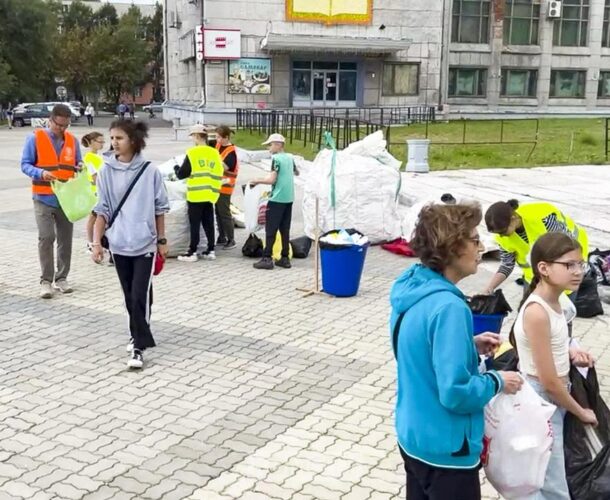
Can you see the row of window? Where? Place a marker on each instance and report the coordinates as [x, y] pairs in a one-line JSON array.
[[565, 83], [471, 22]]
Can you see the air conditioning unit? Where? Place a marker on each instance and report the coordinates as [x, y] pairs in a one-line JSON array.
[[554, 9]]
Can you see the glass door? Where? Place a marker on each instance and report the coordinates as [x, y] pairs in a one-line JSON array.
[[331, 87], [324, 88]]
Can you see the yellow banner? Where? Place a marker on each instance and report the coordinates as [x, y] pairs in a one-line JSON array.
[[330, 11]]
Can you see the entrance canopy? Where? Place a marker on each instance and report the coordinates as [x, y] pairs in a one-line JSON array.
[[275, 42]]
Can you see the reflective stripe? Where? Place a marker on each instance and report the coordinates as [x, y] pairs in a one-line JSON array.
[[41, 183], [203, 188], [49, 169], [230, 174], [206, 174]]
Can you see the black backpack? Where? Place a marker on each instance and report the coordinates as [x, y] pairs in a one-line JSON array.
[[253, 247]]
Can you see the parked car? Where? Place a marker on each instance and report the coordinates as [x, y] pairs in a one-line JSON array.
[[78, 106], [156, 107], [75, 111], [23, 114]]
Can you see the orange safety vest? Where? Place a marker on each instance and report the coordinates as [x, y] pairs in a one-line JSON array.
[[62, 167], [229, 178]]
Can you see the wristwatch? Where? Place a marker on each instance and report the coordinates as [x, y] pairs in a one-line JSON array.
[[162, 241]]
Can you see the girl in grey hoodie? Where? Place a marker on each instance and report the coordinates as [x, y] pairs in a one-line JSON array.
[[138, 231]]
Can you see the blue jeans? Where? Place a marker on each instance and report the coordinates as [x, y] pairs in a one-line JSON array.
[[555, 483]]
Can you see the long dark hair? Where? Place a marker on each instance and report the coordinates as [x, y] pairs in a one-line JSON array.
[[548, 248], [499, 215]]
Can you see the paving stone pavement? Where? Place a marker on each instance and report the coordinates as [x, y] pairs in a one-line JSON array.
[[253, 392]]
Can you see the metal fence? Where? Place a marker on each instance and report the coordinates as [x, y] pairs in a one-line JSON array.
[[308, 128]]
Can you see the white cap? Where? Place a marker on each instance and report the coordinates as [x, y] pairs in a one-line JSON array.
[[274, 138], [198, 129]]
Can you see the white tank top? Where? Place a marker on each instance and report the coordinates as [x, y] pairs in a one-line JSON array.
[[560, 339]]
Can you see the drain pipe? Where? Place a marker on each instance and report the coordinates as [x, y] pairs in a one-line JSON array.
[[204, 93]]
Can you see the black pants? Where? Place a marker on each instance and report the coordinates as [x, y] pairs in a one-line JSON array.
[[224, 218], [425, 482], [89, 120], [201, 214], [135, 275], [279, 216]]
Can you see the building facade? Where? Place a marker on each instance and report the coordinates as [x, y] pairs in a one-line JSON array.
[[301, 53], [463, 56]]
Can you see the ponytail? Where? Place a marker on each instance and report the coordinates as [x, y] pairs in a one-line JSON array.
[[89, 138]]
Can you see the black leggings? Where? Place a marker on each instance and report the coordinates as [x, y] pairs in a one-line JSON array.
[[425, 482], [201, 214], [279, 217], [135, 275]]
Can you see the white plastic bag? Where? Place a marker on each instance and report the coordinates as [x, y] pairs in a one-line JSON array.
[[518, 438], [255, 198]]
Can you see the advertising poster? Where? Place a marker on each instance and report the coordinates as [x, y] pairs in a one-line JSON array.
[[330, 11], [250, 76]]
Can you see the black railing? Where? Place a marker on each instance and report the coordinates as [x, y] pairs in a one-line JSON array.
[[308, 128]]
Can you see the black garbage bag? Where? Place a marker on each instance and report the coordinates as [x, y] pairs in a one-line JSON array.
[[301, 247], [253, 247], [587, 450], [507, 361], [489, 304], [599, 260], [588, 303]]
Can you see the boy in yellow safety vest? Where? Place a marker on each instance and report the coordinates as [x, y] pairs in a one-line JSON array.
[[203, 170]]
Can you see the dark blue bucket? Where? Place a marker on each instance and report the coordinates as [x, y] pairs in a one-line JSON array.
[[487, 323]]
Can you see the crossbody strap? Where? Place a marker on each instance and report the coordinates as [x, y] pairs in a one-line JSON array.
[[126, 195], [396, 332]]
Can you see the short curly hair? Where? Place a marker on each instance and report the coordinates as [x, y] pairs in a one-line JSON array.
[[442, 232]]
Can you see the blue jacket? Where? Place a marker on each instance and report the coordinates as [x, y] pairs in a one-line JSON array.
[[440, 393]]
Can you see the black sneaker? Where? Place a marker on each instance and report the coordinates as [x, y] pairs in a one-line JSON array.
[[283, 262], [264, 263], [136, 360], [221, 241], [229, 245]]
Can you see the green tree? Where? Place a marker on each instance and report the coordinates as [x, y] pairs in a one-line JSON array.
[[27, 34], [154, 36], [119, 58], [74, 60], [78, 15], [106, 16], [7, 80]]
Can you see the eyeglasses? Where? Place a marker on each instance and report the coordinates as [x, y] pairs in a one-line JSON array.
[[573, 267], [60, 125]]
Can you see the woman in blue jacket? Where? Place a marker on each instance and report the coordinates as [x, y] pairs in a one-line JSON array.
[[440, 392]]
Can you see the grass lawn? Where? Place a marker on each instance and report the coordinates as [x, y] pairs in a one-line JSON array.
[[561, 141]]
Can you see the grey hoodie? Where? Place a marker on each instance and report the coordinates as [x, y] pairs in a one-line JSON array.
[[134, 230]]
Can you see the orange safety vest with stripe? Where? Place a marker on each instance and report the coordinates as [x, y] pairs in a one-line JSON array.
[[62, 166], [229, 178]]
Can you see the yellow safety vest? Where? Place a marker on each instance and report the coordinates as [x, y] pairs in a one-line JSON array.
[[206, 175], [533, 216], [95, 161]]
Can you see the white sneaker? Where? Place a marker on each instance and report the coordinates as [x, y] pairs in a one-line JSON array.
[[63, 286], [130, 345], [188, 258], [209, 256], [136, 360], [46, 291]]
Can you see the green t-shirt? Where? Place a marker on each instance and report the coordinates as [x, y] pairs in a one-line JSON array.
[[283, 189]]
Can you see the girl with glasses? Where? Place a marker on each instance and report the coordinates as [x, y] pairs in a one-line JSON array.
[[541, 337], [93, 161]]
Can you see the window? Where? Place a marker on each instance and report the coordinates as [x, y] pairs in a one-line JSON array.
[[467, 82], [568, 83], [470, 21], [519, 82], [139, 91], [521, 22], [328, 81], [400, 79], [606, 33], [571, 29], [603, 89]]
